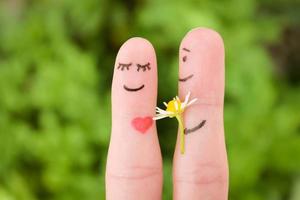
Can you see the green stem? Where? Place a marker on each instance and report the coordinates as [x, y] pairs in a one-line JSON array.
[[181, 129]]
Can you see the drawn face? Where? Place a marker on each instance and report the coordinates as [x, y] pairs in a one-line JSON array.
[[184, 58], [135, 68], [189, 79], [139, 67]]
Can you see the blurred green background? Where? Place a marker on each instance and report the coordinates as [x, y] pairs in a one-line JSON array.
[[56, 64]]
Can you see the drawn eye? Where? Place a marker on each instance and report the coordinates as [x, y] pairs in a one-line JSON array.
[[184, 58], [143, 67], [122, 66]]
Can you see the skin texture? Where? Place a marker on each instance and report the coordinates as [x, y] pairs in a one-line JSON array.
[[134, 163]]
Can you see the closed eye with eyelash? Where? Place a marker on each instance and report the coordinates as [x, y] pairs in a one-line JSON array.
[[143, 67], [122, 66]]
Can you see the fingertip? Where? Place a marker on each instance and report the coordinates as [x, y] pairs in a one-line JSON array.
[[201, 68], [206, 36], [136, 47], [135, 76]]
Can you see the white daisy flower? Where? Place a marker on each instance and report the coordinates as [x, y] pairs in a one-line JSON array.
[[175, 108]]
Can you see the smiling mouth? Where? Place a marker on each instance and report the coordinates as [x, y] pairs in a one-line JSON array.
[[187, 131], [133, 89], [186, 78]]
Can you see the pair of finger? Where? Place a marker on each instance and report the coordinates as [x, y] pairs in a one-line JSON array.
[[134, 164]]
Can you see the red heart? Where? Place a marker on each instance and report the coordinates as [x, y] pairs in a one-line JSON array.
[[142, 124]]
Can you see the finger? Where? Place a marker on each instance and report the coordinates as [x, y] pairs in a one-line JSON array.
[[134, 163], [202, 172]]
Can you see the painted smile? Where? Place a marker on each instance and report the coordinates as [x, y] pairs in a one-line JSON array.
[[186, 78], [187, 131], [133, 89]]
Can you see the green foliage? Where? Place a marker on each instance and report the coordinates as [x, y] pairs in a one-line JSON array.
[[56, 61]]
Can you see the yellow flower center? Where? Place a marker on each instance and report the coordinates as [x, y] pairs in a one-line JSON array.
[[172, 108]]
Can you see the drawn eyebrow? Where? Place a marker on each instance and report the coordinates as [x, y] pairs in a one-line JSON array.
[[185, 49], [187, 131]]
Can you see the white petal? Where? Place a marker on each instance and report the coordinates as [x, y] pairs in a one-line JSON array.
[[165, 104], [186, 99], [159, 109], [165, 112], [191, 102], [183, 105], [159, 117]]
